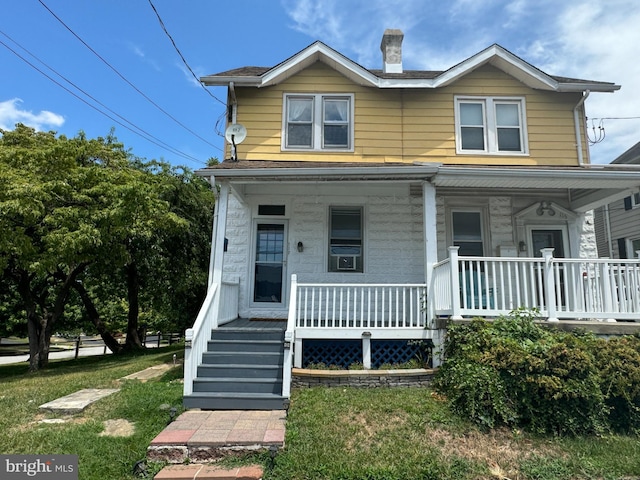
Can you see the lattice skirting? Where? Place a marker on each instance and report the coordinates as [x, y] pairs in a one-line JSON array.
[[343, 353]]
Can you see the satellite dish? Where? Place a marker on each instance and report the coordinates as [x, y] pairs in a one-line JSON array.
[[235, 133]]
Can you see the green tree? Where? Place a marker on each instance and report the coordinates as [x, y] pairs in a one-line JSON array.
[[52, 194], [82, 221]]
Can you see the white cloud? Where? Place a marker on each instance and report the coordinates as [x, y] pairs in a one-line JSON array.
[[11, 113], [573, 38], [140, 53]]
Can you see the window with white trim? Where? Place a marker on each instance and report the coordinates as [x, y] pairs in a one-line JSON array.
[[635, 200], [317, 122], [490, 125], [467, 232], [345, 239]]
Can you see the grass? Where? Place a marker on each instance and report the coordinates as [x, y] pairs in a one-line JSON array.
[[387, 434], [332, 433], [145, 405]]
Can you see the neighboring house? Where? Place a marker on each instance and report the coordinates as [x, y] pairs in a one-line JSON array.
[[362, 207], [618, 223]]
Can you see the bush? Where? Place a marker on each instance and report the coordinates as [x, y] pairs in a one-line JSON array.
[[513, 372]]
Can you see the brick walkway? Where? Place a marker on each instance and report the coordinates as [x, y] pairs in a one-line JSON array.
[[206, 436]]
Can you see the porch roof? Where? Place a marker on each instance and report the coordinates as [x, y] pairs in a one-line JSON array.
[[589, 186]]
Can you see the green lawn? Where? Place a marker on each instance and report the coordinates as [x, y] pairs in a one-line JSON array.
[[338, 433], [146, 405]]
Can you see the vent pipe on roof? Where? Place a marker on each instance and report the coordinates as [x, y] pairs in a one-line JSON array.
[[391, 47]]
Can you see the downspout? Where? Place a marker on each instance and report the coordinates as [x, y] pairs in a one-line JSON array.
[[577, 123]]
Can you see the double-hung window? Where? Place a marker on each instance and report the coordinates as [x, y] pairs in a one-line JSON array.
[[466, 229], [345, 239], [490, 125], [318, 122]]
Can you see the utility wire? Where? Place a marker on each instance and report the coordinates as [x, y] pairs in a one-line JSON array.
[[180, 54], [171, 149], [126, 80], [166, 145]]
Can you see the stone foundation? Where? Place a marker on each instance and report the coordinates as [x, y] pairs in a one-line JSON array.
[[306, 378]]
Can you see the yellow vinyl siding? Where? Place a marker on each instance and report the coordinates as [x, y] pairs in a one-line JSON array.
[[409, 125]]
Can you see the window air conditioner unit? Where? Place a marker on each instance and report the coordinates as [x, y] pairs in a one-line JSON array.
[[347, 262]]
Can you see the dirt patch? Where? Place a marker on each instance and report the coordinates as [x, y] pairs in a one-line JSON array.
[[501, 449], [118, 428]]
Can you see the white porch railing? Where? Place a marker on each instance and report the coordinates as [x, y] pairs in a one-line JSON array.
[[359, 306], [220, 306], [558, 287]]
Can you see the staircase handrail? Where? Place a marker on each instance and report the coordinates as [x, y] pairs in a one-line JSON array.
[[196, 338]]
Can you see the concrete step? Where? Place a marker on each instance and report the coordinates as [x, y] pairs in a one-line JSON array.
[[242, 358], [244, 345], [240, 371], [234, 401], [238, 385]]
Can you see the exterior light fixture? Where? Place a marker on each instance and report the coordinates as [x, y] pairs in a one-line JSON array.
[[300, 247]]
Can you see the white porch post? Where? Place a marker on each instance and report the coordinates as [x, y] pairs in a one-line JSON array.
[[216, 208], [549, 285], [217, 246], [366, 350], [430, 243], [608, 286], [455, 283]]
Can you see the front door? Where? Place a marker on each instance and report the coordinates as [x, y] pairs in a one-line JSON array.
[[269, 262], [548, 238]]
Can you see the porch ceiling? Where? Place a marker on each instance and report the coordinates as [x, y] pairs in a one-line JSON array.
[[588, 187]]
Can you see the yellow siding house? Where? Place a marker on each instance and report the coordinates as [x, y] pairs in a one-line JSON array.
[[359, 209]]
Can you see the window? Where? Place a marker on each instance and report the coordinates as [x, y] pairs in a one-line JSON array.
[[490, 125], [467, 233], [635, 200], [345, 239], [634, 247], [318, 122]]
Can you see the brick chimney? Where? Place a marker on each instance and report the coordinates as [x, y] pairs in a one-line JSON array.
[[391, 47]]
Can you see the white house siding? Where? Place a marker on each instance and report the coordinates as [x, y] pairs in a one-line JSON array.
[[393, 236], [393, 233]]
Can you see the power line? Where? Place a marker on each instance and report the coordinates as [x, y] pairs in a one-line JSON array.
[[169, 148], [125, 79], [180, 54]]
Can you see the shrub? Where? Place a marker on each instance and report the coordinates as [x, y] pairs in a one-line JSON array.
[[516, 373]]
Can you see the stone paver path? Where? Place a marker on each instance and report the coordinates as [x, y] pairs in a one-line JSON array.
[[78, 401]]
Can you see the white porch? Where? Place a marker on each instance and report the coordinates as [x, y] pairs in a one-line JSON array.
[[412, 280], [559, 288]]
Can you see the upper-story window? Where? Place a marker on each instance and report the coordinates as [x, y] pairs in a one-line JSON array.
[[491, 125], [635, 200], [318, 122]]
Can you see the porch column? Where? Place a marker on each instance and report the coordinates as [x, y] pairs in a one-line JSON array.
[[430, 243], [549, 285], [217, 243], [216, 207], [608, 287], [455, 283]]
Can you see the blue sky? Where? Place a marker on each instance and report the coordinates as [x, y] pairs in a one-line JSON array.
[[146, 86]]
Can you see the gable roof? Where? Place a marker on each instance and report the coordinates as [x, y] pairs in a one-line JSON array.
[[630, 156], [494, 55]]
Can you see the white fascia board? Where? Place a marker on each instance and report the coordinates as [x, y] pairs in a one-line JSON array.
[[224, 81], [521, 176], [592, 87], [505, 61], [319, 51], [382, 172]]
